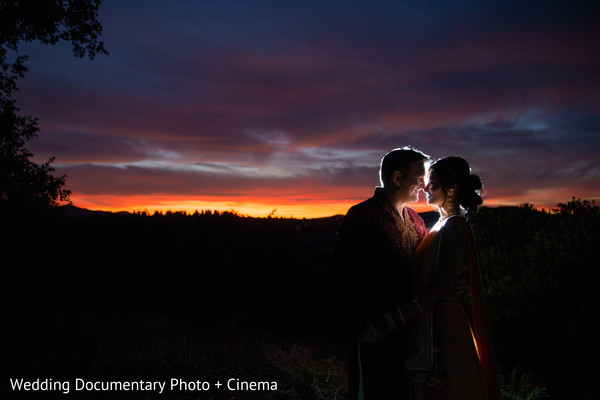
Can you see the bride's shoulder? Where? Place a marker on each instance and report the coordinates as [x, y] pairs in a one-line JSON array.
[[456, 224]]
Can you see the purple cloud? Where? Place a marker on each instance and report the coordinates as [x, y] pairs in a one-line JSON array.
[[228, 94]]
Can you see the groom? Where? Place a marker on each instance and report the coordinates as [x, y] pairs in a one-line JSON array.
[[373, 252]]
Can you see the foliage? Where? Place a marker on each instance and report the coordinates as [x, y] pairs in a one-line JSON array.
[[304, 376], [23, 183], [47, 22], [50, 22], [580, 208], [519, 385], [541, 276]]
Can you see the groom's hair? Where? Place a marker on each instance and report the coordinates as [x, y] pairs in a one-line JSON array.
[[399, 160]]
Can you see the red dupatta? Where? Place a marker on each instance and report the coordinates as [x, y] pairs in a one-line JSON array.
[[420, 364], [481, 327]]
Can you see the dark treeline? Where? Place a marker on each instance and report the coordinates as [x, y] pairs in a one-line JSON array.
[[542, 279], [69, 282], [198, 266]]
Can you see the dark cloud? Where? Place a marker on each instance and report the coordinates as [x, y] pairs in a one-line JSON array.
[[84, 147], [131, 181], [319, 91]]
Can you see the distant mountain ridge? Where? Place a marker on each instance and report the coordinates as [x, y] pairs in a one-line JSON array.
[[70, 210], [73, 211]]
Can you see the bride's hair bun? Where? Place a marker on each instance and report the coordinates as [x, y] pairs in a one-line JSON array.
[[456, 171], [470, 195], [475, 182]]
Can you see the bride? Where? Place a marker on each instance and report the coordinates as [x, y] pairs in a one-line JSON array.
[[447, 358]]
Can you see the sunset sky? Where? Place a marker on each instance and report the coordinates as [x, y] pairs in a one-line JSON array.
[[290, 105]]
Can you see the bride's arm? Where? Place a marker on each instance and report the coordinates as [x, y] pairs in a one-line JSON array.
[[452, 253]]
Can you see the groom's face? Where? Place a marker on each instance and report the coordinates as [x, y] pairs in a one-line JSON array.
[[411, 183]]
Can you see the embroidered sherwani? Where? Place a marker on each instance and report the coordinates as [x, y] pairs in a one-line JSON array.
[[373, 255]]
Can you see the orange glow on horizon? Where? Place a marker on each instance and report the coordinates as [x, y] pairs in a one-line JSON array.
[[254, 206]]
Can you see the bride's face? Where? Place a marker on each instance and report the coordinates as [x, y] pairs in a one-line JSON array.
[[433, 191]]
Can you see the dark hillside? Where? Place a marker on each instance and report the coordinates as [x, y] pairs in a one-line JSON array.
[[106, 296]]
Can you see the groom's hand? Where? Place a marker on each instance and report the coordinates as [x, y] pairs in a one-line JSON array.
[[375, 330], [370, 334]]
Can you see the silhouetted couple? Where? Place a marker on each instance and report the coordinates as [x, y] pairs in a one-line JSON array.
[[410, 337]]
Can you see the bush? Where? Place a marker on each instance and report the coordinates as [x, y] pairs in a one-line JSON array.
[[541, 277]]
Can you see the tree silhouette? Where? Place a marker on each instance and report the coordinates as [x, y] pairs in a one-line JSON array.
[[23, 183]]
